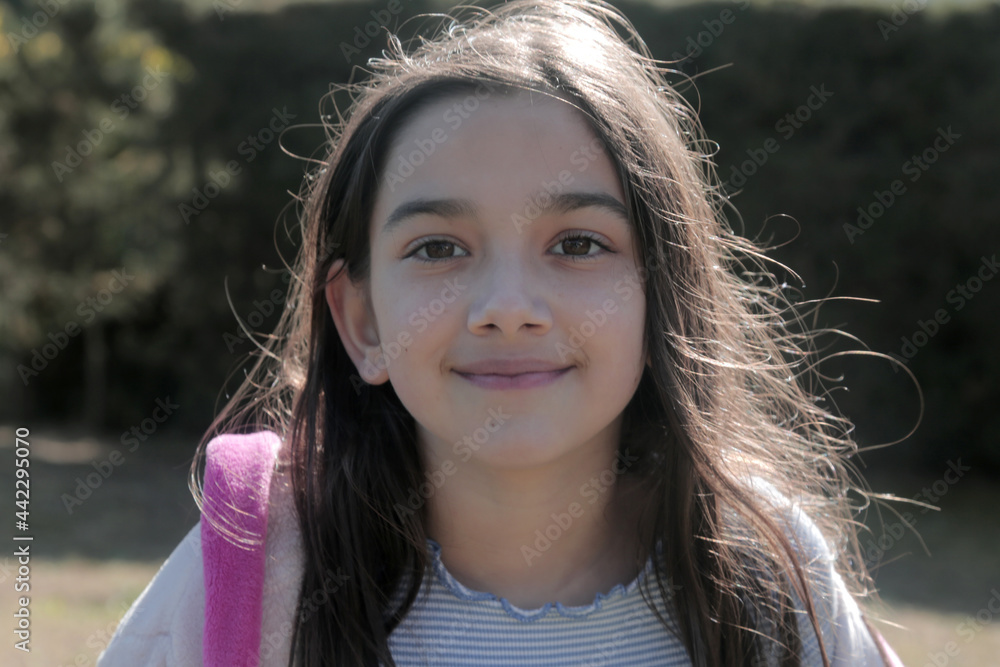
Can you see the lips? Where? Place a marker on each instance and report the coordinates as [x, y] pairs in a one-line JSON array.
[[528, 380], [510, 367]]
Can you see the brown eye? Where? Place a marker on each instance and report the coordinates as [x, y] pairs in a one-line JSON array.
[[577, 244], [437, 251], [579, 241], [438, 245], [576, 247]]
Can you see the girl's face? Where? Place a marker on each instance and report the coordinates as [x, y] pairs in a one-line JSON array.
[[476, 257]]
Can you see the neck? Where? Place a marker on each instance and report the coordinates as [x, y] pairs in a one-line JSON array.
[[559, 534]]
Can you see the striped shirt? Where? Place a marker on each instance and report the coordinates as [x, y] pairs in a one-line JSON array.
[[451, 625]]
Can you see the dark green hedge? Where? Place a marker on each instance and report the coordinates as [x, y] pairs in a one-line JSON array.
[[818, 115]]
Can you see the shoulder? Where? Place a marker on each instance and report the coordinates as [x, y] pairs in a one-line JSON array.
[[251, 474], [165, 625], [284, 565], [846, 637]]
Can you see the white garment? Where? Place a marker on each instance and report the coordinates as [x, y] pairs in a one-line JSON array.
[[163, 628], [164, 625]]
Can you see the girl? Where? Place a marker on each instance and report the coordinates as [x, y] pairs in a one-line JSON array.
[[534, 403]]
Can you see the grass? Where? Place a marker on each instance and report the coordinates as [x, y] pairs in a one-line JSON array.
[[936, 596], [87, 567], [89, 564]]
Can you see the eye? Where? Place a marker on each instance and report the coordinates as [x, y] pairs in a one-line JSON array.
[[577, 240], [582, 240], [432, 243]]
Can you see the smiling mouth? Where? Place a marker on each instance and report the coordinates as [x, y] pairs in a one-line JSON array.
[[519, 381]]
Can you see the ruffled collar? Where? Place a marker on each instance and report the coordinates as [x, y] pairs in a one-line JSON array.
[[462, 592]]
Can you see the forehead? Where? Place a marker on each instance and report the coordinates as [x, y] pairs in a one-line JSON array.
[[482, 107], [495, 147]]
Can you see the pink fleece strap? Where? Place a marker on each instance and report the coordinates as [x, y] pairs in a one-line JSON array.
[[236, 491], [892, 659]]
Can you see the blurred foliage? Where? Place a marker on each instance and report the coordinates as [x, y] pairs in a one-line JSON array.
[[114, 116]]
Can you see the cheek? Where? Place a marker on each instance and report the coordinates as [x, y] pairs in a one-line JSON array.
[[621, 345], [415, 331], [621, 337], [615, 318], [406, 312]]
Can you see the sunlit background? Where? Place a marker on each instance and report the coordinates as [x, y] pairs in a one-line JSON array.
[[144, 196]]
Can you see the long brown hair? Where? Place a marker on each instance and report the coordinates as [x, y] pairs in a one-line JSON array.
[[732, 392]]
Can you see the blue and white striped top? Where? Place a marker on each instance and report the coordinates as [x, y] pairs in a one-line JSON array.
[[451, 625]]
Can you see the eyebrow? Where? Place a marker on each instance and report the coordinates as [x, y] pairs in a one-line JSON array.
[[453, 208]]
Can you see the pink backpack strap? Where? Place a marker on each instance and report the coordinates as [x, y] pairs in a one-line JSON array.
[[236, 491], [889, 657]]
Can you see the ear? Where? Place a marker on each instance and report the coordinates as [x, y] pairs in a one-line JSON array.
[[349, 306]]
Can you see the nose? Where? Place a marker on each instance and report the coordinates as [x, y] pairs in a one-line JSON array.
[[509, 296]]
